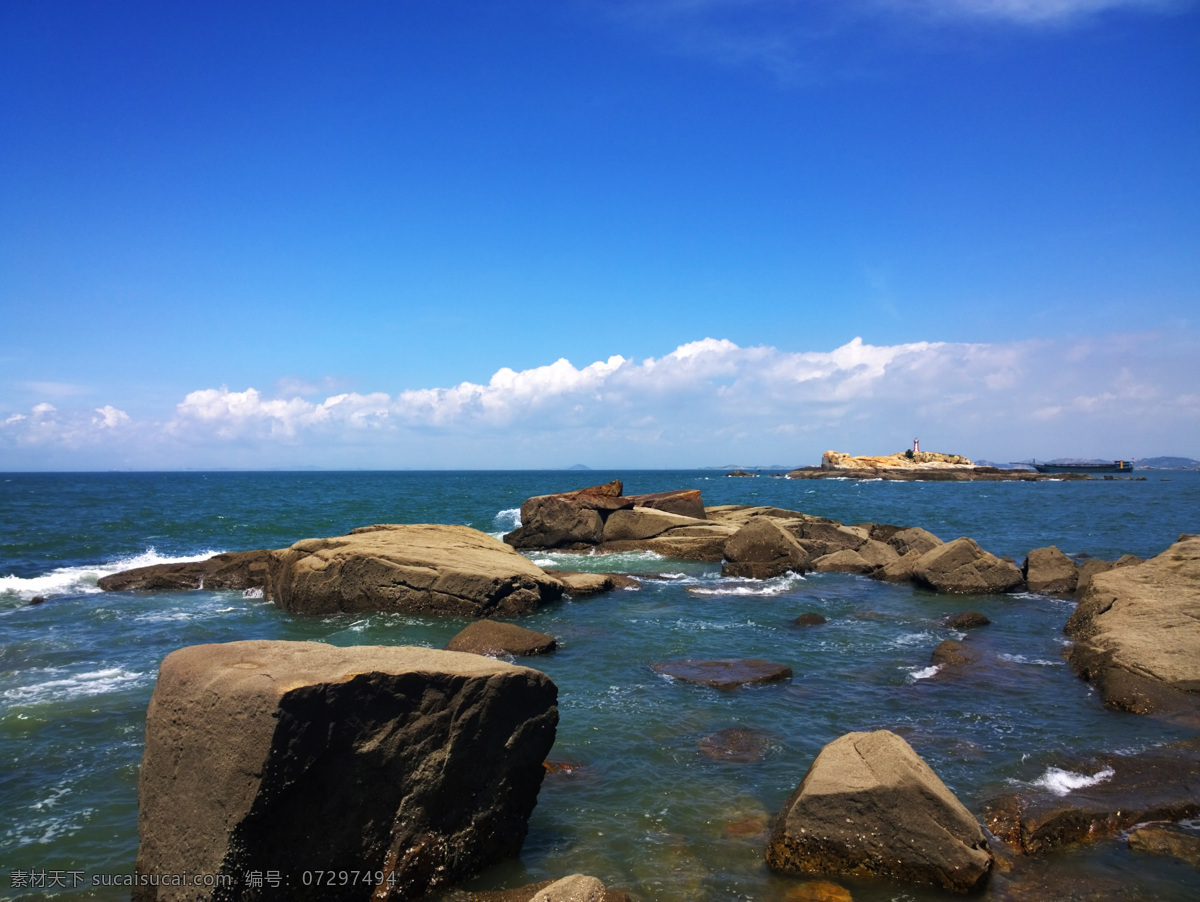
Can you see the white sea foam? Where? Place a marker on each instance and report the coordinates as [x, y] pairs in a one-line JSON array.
[[909, 639], [1021, 659], [82, 580], [1060, 782], [924, 673], [509, 519], [767, 588], [65, 686]]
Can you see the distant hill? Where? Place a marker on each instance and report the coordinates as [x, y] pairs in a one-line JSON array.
[[1167, 463], [579, 467]]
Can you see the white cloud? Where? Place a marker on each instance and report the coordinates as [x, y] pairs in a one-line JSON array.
[[706, 402], [1025, 12]]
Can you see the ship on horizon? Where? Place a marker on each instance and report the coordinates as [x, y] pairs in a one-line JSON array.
[[1116, 466]]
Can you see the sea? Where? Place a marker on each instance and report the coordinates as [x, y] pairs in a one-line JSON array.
[[643, 795]]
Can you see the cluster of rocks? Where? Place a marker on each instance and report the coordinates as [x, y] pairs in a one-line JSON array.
[[419, 767], [919, 465]]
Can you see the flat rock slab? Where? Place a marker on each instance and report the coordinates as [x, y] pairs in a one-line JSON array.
[[492, 638], [418, 766], [233, 570], [725, 674], [869, 806], [422, 568], [578, 584]]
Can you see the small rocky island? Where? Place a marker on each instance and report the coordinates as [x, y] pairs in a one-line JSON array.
[[914, 465]]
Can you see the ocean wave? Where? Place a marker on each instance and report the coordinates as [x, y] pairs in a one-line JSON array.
[[766, 588], [910, 639], [64, 686], [1060, 782], [82, 580], [1021, 659], [507, 520], [924, 673]]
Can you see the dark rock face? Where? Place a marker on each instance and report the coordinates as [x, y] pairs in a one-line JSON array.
[[1159, 784], [809, 618], [966, 620], [493, 638], [297, 756], [762, 549], [420, 568], [961, 567], [1137, 632], [951, 654], [869, 806], [1048, 571], [235, 570], [725, 674]]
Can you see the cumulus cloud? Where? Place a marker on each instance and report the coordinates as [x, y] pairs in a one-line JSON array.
[[706, 402]]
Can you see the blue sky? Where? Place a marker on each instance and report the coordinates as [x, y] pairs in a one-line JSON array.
[[657, 233]]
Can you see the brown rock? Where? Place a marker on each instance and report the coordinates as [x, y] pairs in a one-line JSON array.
[[818, 891], [579, 584], [1167, 840], [299, 756], [644, 523], [810, 618], [767, 547], [493, 638], [725, 674], [530, 891], [233, 570], [423, 568], [1048, 571], [1159, 784], [966, 620], [844, 561], [962, 567], [1137, 631], [901, 569], [869, 806], [1091, 568], [951, 654], [742, 745], [684, 502], [914, 539]]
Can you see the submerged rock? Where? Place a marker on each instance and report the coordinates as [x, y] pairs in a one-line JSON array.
[[1137, 632], [419, 568], [869, 806], [809, 618], [576, 888], [493, 638], [966, 620], [725, 674], [418, 766], [1167, 840], [743, 745]]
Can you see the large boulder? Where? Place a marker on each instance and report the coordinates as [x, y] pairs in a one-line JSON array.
[[961, 567], [233, 570], [646, 523], [762, 549], [491, 637], [567, 518], [414, 766], [422, 567], [869, 806], [684, 502], [1137, 631], [914, 538], [1048, 571]]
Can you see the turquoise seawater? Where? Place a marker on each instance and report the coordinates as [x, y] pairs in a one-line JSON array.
[[644, 807]]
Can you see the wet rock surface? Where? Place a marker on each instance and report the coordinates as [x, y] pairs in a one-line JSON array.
[[1161, 784], [869, 806], [742, 745], [232, 570], [576, 888], [493, 638], [966, 620], [725, 674], [298, 756]]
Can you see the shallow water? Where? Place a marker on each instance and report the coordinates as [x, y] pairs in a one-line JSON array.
[[643, 806]]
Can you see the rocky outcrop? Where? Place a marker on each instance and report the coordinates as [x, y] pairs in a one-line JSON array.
[[951, 654], [234, 570], [1161, 784], [914, 539], [579, 518], [966, 620], [421, 568], [725, 674], [493, 638], [576, 888], [810, 618], [762, 549], [1159, 839], [578, 584], [1137, 632], [919, 465], [1093, 568], [961, 567], [1048, 571], [418, 766], [905, 460], [869, 806]]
